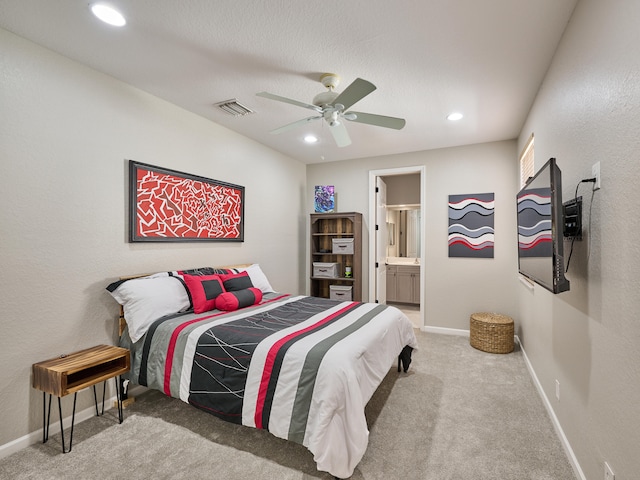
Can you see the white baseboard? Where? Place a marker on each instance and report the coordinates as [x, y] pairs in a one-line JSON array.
[[545, 400], [554, 419], [36, 437], [446, 331]]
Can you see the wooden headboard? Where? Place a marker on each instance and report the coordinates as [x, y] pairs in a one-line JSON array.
[[122, 322]]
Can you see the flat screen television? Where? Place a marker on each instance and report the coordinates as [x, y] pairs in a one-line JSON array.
[[540, 225]]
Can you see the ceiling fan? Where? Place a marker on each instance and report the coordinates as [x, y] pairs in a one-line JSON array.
[[334, 108]]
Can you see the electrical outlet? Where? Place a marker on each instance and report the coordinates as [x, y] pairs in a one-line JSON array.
[[595, 172], [608, 473], [557, 389]]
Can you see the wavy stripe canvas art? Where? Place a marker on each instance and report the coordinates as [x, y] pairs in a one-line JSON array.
[[534, 223], [471, 225]]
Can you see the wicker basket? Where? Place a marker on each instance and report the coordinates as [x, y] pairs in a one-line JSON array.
[[491, 332]]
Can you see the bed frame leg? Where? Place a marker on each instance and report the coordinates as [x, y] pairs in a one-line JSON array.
[[405, 358]]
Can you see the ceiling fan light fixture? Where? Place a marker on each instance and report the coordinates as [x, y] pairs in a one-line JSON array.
[[332, 117], [325, 98], [108, 14], [455, 116], [331, 107]]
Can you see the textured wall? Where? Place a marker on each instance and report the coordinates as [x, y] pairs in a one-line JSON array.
[[65, 133], [403, 189], [455, 287], [588, 110]]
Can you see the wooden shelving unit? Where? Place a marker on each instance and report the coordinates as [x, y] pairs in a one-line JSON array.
[[324, 228]]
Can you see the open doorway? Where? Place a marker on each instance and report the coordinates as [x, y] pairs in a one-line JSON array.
[[396, 246]]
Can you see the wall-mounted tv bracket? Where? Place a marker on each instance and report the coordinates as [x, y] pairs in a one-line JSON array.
[[572, 214]]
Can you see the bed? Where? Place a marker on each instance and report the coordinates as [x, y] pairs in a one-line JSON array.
[[301, 367]]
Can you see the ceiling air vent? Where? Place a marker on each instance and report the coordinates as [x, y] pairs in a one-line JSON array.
[[232, 107]]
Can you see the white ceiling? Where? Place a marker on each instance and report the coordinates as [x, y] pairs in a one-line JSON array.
[[484, 58]]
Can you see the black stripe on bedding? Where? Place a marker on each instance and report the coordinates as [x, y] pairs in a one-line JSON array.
[[142, 377], [224, 352]]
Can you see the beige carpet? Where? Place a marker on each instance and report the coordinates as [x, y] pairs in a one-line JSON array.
[[459, 414]]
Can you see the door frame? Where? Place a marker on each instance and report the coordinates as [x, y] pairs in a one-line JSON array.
[[388, 172]]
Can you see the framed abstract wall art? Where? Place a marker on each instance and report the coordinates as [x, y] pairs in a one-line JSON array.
[[324, 199], [471, 225], [170, 206]]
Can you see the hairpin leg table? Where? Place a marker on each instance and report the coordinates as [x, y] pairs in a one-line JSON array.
[[71, 373]]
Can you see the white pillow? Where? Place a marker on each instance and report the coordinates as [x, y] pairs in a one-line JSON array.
[[146, 299], [258, 278]]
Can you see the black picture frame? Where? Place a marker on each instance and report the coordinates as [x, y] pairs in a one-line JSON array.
[[167, 205]]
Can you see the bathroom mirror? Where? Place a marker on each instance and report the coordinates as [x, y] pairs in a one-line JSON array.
[[391, 231], [404, 222]]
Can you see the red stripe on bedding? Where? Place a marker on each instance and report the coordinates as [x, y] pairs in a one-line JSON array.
[[271, 356], [172, 348], [174, 339]]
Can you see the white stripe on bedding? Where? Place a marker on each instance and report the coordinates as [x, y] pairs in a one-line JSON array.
[[258, 359], [339, 430], [287, 386]]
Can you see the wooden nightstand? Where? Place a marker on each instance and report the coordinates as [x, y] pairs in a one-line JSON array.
[[71, 373]]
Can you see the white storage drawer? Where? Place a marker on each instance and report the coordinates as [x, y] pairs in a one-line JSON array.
[[329, 270], [342, 245], [340, 292]]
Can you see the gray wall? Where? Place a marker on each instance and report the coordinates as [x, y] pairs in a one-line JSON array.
[[403, 189], [588, 110], [65, 133], [455, 287]]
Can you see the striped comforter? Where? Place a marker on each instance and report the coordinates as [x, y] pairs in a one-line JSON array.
[[301, 367]]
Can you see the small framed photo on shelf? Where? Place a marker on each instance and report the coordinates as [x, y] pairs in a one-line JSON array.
[[324, 199]]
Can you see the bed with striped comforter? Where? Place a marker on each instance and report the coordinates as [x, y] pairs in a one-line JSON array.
[[301, 367]]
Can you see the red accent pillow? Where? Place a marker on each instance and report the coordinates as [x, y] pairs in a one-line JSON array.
[[203, 289], [230, 301], [236, 281]]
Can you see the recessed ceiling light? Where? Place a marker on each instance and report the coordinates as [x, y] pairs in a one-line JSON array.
[[455, 116], [311, 139], [108, 14]]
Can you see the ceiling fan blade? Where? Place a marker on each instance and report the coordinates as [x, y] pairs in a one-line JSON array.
[[378, 120], [278, 98], [340, 134], [355, 92], [291, 126]]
